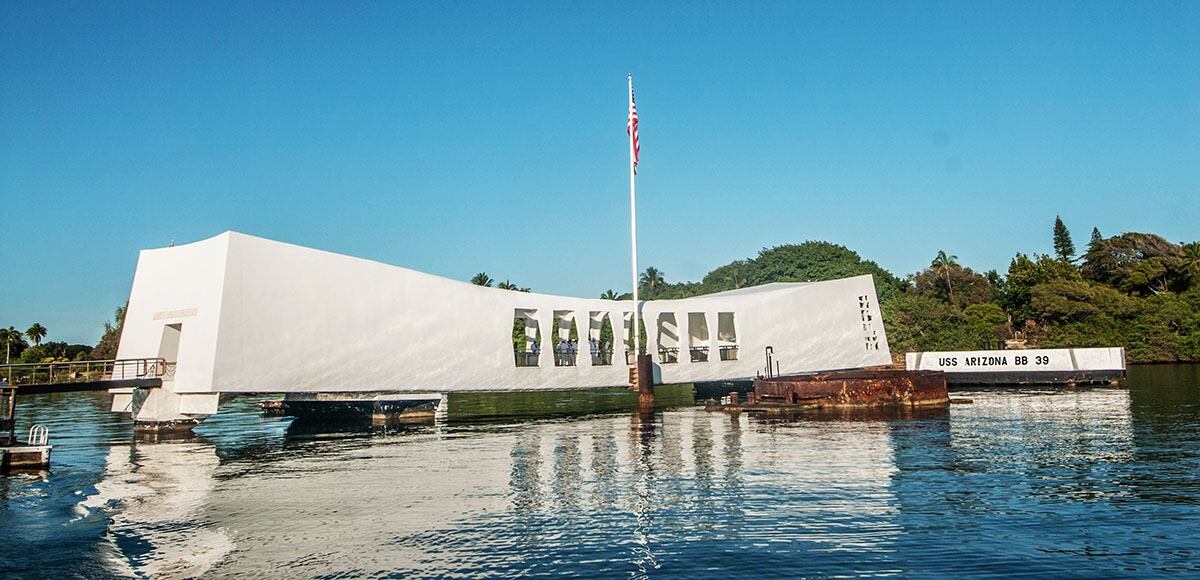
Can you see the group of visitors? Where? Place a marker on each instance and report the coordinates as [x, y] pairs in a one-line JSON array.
[[566, 350]]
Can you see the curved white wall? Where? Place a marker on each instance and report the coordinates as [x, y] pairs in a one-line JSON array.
[[264, 316]]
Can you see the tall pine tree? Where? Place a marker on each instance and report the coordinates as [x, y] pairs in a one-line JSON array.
[[1096, 239], [1064, 248]]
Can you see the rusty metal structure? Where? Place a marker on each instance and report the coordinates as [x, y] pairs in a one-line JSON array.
[[861, 388], [843, 390]]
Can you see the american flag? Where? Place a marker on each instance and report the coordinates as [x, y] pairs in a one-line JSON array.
[[631, 129]]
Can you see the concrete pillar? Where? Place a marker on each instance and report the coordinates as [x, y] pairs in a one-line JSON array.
[[545, 318], [714, 346], [651, 321], [619, 336], [161, 410], [683, 326], [583, 322]]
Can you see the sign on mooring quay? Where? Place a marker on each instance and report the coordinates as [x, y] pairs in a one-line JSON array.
[[1034, 366]]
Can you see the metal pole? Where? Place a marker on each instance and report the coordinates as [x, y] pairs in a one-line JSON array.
[[637, 338], [12, 414]]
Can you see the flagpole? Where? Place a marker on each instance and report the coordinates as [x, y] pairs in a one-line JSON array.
[[637, 338]]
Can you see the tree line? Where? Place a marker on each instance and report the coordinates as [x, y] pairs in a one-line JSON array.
[[29, 346], [1136, 290]]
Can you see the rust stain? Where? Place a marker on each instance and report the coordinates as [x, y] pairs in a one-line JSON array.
[[846, 389]]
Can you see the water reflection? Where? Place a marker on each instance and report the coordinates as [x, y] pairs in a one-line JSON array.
[[1088, 482], [155, 496]]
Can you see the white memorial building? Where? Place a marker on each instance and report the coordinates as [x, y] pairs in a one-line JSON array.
[[242, 314]]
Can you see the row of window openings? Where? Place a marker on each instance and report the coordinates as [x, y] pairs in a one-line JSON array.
[[567, 345], [870, 337]]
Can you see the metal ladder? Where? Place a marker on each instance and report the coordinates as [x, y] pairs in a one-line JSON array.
[[39, 435]]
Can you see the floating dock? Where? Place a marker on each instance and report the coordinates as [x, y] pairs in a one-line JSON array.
[[1063, 366], [32, 455], [859, 389]]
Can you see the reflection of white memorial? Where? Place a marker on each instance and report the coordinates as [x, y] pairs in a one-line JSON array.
[[150, 494], [241, 314]]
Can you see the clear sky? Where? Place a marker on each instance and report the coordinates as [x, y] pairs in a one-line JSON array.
[[458, 137]]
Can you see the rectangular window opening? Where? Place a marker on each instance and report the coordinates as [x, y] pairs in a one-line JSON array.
[[698, 337], [727, 341], [600, 338], [566, 338], [668, 338], [526, 337]]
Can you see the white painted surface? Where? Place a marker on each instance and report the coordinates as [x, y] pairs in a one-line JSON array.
[[1056, 359], [265, 316]]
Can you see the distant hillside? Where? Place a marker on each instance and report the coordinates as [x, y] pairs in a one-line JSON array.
[[1135, 290]]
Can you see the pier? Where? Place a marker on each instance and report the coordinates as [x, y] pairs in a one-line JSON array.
[[63, 377]]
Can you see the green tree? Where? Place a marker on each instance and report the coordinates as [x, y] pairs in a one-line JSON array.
[[917, 322], [939, 279], [1064, 248], [13, 341], [1136, 263], [651, 281], [36, 333], [482, 279], [988, 320], [943, 264], [1096, 239], [609, 294], [106, 349], [1024, 274], [999, 287], [1189, 264], [731, 276], [811, 261], [1078, 313]]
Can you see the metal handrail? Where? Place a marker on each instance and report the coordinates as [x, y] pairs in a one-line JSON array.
[[86, 371]]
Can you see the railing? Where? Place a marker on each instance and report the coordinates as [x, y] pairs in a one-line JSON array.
[[602, 358], [668, 354], [564, 358], [526, 358], [729, 352], [699, 353], [86, 371]]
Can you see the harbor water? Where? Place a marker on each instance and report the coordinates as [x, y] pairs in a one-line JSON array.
[[1072, 483]]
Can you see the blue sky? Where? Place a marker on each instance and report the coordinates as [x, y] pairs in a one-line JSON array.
[[459, 137]]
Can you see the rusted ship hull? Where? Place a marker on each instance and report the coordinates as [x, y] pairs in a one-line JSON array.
[[846, 390]]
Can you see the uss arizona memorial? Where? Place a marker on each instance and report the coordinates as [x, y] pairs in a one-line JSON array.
[[241, 314]]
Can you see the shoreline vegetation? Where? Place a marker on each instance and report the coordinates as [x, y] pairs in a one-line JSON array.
[[1135, 290]]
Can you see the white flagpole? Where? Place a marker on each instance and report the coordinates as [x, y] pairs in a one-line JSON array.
[[637, 338]]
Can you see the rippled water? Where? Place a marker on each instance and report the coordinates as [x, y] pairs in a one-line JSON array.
[[1071, 483]]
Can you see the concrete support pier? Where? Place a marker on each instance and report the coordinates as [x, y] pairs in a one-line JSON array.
[[161, 411]]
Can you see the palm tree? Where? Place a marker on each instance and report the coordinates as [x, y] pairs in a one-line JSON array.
[[651, 280], [482, 279], [507, 285], [943, 263], [609, 295], [36, 333], [1191, 259], [8, 336]]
